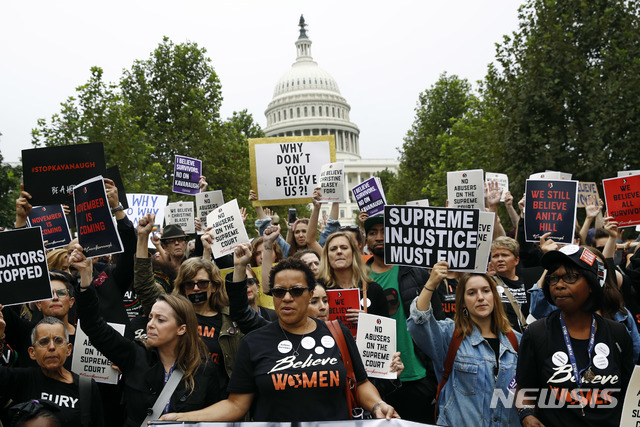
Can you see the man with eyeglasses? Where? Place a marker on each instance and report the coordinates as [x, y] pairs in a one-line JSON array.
[[50, 381]]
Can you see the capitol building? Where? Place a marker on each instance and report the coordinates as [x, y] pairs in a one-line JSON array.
[[307, 101]]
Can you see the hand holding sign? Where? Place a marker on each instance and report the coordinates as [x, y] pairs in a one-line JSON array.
[[438, 274], [396, 364], [23, 207], [546, 244]]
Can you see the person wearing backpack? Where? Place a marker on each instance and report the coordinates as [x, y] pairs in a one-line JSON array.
[[473, 355]]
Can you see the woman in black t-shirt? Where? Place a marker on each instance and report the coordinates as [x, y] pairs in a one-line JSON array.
[[290, 370]]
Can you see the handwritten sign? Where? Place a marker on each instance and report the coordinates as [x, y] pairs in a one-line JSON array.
[[340, 301], [143, 204], [369, 196], [53, 222], [206, 202], [622, 196], [586, 189], [376, 342], [420, 237], [97, 232], [88, 362], [331, 181], [502, 180], [285, 171], [465, 189], [181, 214], [228, 229], [186, 175], [550, 206], [24, 273]]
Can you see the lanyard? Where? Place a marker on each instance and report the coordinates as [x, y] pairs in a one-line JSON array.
[[567, 340]]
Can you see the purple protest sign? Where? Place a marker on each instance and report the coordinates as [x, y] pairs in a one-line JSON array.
[[186, 174], [370, 196]]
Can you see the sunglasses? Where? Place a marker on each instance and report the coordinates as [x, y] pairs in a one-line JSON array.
[[252, 281], [174, 240], [61, 293], [569, 278], [203, 285], [45, 341], [295, 292]]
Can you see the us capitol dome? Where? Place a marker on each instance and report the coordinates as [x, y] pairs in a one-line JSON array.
[[307, 101]]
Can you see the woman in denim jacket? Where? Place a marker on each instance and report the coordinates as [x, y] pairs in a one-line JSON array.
[[485, 361]]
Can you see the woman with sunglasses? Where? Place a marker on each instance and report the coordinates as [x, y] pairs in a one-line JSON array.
[[290, 370], [578, 362]]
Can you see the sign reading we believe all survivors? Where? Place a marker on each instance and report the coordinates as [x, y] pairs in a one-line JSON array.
[[622, 197]]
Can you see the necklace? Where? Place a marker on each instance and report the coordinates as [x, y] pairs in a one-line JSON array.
[[295, 352]]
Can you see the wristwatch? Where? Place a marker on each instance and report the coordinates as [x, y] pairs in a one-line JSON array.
[[117, 208]]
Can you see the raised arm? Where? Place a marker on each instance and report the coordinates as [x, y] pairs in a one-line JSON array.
[[438, 274], [270, 235], [312, 231], [23, 208], [508, 204], [143, 281], [592, 211]]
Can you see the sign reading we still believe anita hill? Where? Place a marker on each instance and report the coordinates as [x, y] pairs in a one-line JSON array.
[[550, 207]]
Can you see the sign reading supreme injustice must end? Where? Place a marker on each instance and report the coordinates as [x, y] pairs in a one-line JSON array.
[[422, 236]]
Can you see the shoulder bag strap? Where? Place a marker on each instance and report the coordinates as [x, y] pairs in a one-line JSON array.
[[513, 340], [456, 340], [364, 295], [351, 392], [165, 395], [85, 395], [514, 304]]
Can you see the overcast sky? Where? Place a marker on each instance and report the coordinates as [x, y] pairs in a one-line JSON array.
[[381, 57]]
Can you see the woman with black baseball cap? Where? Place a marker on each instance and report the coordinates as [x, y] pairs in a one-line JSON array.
[[574, 361]]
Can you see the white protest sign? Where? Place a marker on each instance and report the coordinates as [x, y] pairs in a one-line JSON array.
[[206, 202], [142, 204], [502, 180], [465, 189], [89, 362], [331, 181], [485, 238], [550, 175], [628, 173], [421, 202], [631, 408], [182, 214], [376, 342], [228, 229]]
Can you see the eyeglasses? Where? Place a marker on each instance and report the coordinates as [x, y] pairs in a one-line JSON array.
[[568, 278], [45, 341], [202, 285], [61, 293], [252, 281], [295, 292], [175, 240]]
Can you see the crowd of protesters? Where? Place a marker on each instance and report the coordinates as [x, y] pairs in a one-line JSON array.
[[558, 321]]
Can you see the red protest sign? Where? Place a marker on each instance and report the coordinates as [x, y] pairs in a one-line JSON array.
[[340, 301], [622, 196]]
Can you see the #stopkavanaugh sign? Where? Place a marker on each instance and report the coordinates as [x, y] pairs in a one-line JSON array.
[[622, 196], [420, 236], [550, 207], [51, 172], [186, 175], [97, 232], [369, 196], [52, 220], [24, 274]]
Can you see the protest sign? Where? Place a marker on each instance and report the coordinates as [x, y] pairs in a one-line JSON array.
[[551, 175], [143, 204], [486, 222], [419, 236], [369, 196], [50, 173], [228, 229], [186, 175], [331, 182], [285, 171], [53, 222], [376, 342], [465, 189], [628, 173], [622, 196], [24, 274], [550, 206], [181, 214], [586, 189], [206, 202], [421, 202], [88, 362], [113, 173], [97, 232], [502, 180], [340, 301], [631, 408]]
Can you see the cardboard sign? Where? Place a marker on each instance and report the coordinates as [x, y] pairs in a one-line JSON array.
[[331, 181], [376, 342], [182, 214], [186, 175], [550, 206], [420, 237], [486, 222], [284, 171], [421, 202], [88, 362], [264, 300], [631, 408], [502, 180], [369, 196], [622, 196], [228, 229], [143, 204], [53, 222], [24, 273], [113, 173], [207, 202], [586, 189], [51, 172], [465, 189], [340, 301], [97, 233]]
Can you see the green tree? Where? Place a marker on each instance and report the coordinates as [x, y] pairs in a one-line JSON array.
[[9, 192], [567, 85]]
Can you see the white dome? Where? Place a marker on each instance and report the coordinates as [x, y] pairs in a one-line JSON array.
[[305, 75]]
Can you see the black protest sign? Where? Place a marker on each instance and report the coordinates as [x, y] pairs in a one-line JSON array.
[[550, 207], [24, 274], [51, 172], [421, 236], [113, 173], [97, 232], [53, 222]]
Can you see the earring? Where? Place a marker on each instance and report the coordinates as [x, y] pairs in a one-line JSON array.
[[465, 311]]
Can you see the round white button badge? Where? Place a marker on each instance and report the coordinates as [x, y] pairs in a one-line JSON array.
[[559, 358], [327, 341], [308, 343], [285, 346], [602, 348], [600, 361]]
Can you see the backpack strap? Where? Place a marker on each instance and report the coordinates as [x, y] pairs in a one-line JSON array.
[[85, 394], [456, 340]]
